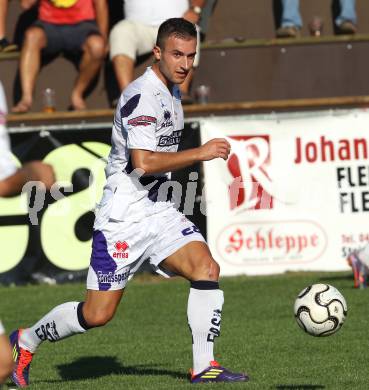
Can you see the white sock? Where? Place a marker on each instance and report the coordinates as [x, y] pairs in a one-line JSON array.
[[61, 322], [204, 310]]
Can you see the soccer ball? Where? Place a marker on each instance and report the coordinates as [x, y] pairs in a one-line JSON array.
[[320, 310]]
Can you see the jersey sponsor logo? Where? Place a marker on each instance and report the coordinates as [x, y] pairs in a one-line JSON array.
[[121, 250], [111, 277], [167, 122], [142, 120], [169, 140]]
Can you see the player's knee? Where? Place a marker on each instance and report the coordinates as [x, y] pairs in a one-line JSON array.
[[206, 269], [214, 270]]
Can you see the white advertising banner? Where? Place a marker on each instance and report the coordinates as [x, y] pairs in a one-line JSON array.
[[294, 193]]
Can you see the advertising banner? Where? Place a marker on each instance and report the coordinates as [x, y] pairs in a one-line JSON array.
[[51, 231], [46, 236], [294, 193]]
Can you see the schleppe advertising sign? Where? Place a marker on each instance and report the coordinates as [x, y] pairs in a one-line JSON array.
[[294, 193]]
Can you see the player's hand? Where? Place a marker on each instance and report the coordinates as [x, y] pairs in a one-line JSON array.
[[191, 16], [215, 148]]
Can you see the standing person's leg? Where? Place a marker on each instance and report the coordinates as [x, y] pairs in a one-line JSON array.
[[93, 56], [291, 13], [63, 321], [127, 40], [206, 14], [291, 21], [29, 66], [346, 20], [5, 45], [3, 14], [195, 263], [124, 70]]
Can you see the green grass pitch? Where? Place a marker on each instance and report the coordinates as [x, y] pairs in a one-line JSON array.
[[148, 344]]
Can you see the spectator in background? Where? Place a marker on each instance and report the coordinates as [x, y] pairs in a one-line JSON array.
[[136, 34], [206, 14], [6, 358], [76, 28], [12, 179], [5, 45], [291, 22]]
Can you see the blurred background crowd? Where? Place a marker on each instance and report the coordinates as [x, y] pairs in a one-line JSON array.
[[116, 35]]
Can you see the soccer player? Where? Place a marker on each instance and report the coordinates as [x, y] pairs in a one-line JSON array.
[[133, 226]]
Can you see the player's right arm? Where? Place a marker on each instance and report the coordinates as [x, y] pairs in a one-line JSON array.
[[158, 162], [139, 119]]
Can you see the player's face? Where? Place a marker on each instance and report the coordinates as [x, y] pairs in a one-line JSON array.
[[175, 60]]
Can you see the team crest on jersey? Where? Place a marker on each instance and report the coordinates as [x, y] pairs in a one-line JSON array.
[[169, 140], [167, 122], [121, 250], [142, 120]]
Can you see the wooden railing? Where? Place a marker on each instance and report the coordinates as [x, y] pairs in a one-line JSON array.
[[195, 110]]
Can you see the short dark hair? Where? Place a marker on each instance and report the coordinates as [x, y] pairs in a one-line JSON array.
[[178, 27]]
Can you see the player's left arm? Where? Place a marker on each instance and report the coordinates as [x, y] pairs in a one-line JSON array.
[[102, 17], [193, 14], [159, 162]]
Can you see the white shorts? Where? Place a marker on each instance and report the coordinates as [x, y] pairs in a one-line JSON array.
[[133, 39], [120, 248]]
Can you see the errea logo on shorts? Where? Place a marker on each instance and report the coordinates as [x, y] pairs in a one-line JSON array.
[[121, 250]]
